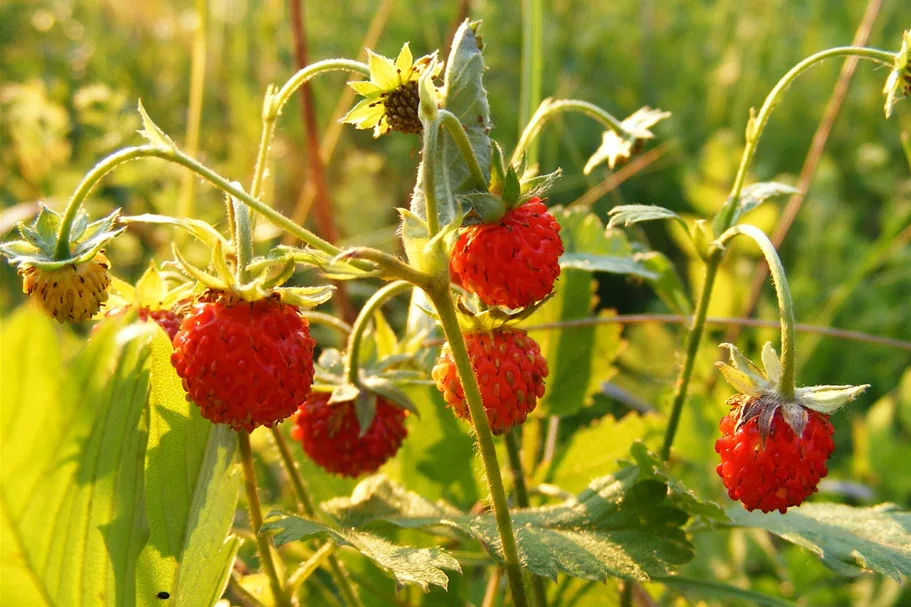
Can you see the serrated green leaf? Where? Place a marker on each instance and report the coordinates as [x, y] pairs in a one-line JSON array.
[[464, 95], [153, 133], [538, 185], [619, 526], [630, 214], [847, 539], [752, 196], [421, 566], [606, 263], [191, 487]]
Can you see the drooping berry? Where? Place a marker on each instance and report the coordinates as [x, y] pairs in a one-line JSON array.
[[512, 263], [166, 319], [72, 293], [330, 435], [778, 470], [244, 364], [510, 372]]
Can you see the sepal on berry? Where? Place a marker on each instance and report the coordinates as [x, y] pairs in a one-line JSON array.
[[898, 84]]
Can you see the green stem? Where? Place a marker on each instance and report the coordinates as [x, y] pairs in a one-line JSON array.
[[310, 566], [308, 507], [786, 385], [521, 495], [532, 66], [352, 357], [448, 319], [550, 108], [177, 157], [757, 123], [452, 124], [256, 520], [243, 240], [726, 214], [428, 176], [392, 267]]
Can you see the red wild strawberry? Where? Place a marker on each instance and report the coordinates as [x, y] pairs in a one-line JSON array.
[[330, 435], [510, 372], [166, 319], [246, 364], [777, 468], [512, 263]]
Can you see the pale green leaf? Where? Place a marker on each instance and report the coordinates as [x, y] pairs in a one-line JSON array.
[[630, 214], [752, 196], [191, 487], [828, 399], [847, 539], [153, 133], [589, 262], [421, 566]]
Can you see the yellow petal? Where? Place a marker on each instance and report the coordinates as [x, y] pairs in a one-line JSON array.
[[405, 59], [382, 71], [364, 87], [362, 112]]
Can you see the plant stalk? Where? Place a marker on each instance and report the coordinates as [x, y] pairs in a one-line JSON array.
[[352, 357], [726, 214], [532, 66], [194, 111], [305, 503], [452, 124], [448, 319], [521, 494], [309, 567], [256, 520]]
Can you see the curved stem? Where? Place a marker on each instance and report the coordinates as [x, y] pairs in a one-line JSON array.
[[352, 357], [758, 122], [329, 65], [256, 520], [306, 504], [725, 217], [177, 157], [448, 319], [243, 240], [391, 266], [550, 108], [452, 124], [310, 566], [786, 384], [321, 318]]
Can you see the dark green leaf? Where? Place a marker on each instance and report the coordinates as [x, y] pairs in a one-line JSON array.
[[421, 566], [511, 189], [847, 539], [606, 263]]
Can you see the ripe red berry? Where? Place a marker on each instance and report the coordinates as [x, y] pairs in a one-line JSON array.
[[512, 263], [244, 364], [330, 435], [510, 372], [166, 319], [776, 472]]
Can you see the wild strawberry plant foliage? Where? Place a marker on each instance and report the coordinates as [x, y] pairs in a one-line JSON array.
[[178, 398]]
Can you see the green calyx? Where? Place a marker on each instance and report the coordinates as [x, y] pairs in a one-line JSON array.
[[749, 379], [898, 84], [39, 243], [155, 290]]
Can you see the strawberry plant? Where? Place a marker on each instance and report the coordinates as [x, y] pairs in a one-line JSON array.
[[161, 430]]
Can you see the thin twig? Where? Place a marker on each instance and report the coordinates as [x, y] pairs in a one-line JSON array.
[[322, 204], [812, 160]]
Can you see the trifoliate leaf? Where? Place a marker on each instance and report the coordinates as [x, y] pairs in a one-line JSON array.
[[828, 399], [847, 539], [629, 214], [407, 565], [153, 133]]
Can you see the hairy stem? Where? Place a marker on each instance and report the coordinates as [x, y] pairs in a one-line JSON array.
[[428, 175], [309, 567], [785, 306], [451, 123], [373, 304], [521, 494], [550, 108], [448, 319], [726, 214], [256, 520], [306, 504], [243, 240]]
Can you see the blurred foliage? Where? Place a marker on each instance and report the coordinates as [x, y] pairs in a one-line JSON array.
[[72, 73]]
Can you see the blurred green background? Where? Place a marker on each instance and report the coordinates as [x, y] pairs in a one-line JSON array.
[[72, 73]]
